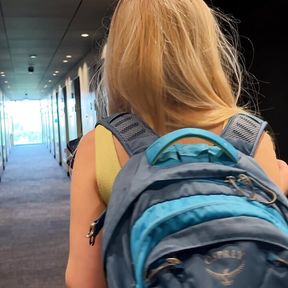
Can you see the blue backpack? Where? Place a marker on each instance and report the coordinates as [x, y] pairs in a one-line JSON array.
[[193, 215]]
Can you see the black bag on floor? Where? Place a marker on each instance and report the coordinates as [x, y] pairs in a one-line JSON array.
[[71, 152]]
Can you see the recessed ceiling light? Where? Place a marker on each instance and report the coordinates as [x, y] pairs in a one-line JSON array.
[[68, 56], [49, 81], [5, 82], [54, 74], [65, 61], [3, 75], [2, 72], [56, 71], [33, 56], [84, 35]]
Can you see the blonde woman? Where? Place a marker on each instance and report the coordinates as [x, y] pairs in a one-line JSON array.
[[168, 62]]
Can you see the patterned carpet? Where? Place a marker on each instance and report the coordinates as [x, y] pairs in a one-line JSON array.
[[34, 220]]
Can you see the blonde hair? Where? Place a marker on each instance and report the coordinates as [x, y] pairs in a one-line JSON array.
[[167, 58]]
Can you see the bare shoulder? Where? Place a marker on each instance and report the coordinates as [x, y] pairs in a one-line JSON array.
[[85, 155], [266, 157], [87, 143], [88, 138], [265, 146]]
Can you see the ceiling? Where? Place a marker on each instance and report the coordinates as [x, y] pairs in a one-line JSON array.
[[51, 30]]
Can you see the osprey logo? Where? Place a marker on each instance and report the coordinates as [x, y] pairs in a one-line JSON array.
[[225, 264]]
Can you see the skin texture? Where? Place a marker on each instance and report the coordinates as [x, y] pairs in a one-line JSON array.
[[283, 175], [84, 269]]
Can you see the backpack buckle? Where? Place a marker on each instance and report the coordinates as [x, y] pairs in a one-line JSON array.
[[91, 234], [95, 228]]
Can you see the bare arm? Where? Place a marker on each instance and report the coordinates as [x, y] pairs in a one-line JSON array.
[[283, 170], [84, 268], [276, 169]]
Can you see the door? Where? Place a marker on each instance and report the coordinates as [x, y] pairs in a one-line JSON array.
[[77, 93], [58, 147], [54, 130]]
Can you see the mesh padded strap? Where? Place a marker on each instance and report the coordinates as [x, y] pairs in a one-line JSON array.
[[244, 132], [134, 135]]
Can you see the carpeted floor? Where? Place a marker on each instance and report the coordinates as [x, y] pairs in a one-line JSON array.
[[34, 220]]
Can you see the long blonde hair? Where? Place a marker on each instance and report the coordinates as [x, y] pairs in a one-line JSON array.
[[167, 58]]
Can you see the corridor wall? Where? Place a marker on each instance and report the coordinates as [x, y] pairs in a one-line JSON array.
[[69, 110]]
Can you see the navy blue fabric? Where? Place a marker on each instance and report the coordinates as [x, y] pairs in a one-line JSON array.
[[139, 186], [232, 246], [152, 226]]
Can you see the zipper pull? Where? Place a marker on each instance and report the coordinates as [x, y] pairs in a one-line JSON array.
[[91, 234], [251, 183], [272, 196], [277, 260], [248, 182], [233, 181], [169, 263]]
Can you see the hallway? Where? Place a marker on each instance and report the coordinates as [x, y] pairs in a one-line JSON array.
[[34, 220]]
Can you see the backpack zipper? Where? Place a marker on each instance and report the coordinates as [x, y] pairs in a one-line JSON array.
[[234, 181]]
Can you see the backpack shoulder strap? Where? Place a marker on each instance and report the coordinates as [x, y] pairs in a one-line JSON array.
[[244, 132], [133, 134]]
